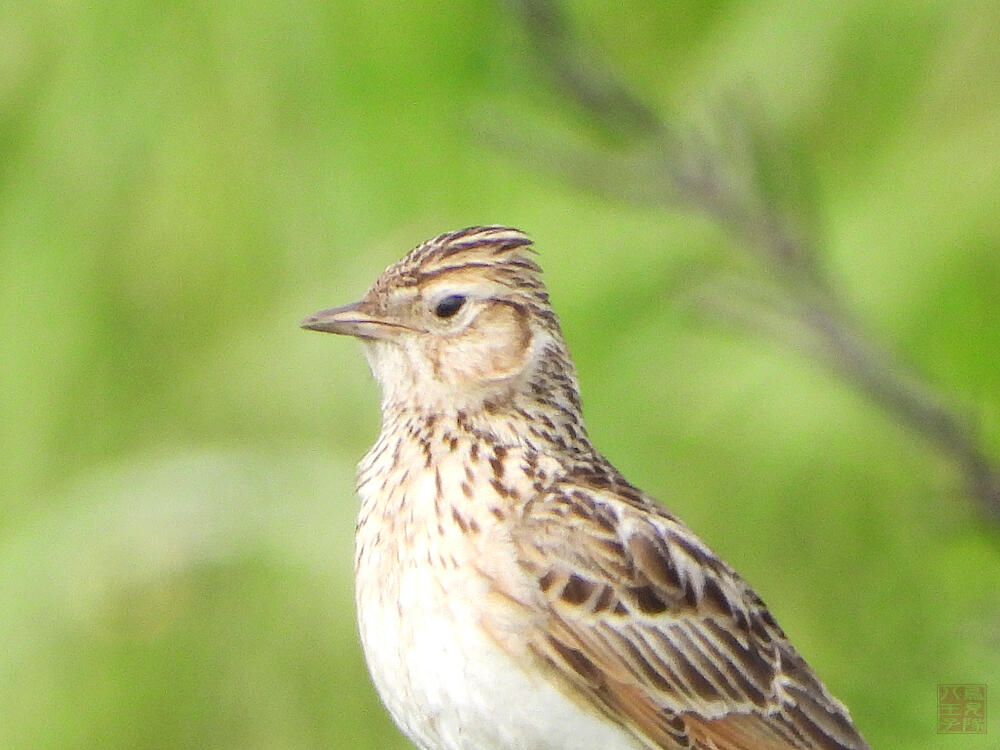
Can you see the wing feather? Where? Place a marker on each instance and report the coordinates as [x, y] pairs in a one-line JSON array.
[[643, 622]]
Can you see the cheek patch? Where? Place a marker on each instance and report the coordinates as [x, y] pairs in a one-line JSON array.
[[495, 346]]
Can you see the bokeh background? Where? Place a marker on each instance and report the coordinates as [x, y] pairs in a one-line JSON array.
[[181, 182]]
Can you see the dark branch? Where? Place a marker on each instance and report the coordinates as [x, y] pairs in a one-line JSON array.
[[725, 178]]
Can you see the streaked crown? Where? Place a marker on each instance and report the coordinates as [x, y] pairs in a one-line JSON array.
[[495, 253]]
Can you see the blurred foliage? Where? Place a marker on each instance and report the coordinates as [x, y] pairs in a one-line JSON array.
[[180, 182]]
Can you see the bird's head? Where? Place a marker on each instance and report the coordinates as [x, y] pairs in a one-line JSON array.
[[462, 320]]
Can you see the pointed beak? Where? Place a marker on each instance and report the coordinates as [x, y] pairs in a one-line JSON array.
[[348, 320]]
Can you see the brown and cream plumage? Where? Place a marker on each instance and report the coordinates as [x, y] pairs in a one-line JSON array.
[[514, 591]]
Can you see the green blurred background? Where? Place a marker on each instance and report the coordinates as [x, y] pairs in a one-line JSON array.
[[181, 182]]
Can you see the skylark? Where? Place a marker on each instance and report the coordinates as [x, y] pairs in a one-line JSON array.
[[514, 591]]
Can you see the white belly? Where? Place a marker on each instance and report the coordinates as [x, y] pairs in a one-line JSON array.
[[450, 687], [446, 682]]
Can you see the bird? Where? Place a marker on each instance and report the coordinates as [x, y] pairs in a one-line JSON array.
[[513, 590]]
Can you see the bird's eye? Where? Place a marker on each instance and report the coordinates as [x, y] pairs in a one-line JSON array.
[[449, 305]]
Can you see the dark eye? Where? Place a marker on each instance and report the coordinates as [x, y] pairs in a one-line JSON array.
[[449, 305]]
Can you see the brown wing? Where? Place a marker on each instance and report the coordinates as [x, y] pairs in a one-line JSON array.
[[650, 627]]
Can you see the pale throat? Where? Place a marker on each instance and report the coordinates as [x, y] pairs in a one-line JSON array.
[[544, 389]]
